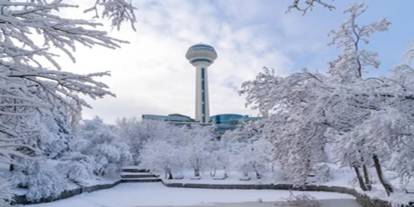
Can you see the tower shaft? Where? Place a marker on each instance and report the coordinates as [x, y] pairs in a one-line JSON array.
[[202, 113]]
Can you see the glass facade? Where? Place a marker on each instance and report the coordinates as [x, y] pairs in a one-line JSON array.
[[176, 118], [227, 118], [203, 94]]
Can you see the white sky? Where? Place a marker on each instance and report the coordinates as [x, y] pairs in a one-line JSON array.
[[151, 74]]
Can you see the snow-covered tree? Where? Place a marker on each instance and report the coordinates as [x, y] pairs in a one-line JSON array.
[[136, 133], [32, 83], [163, 156], [219, 157], [373, 140], [366, 118], [164, 151], [31, 80], [100, 141], [295, 125], [254, 156], [248, 150], [196, 146], [349, 37]]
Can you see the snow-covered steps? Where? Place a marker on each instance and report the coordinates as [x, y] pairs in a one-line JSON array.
[[134, 169], [135, 174]]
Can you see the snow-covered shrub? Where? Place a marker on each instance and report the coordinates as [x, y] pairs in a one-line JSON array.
[[76, 172], [41, 179], [100, 141], [53, 135], [5, 193], [321, 173], [77, 168]]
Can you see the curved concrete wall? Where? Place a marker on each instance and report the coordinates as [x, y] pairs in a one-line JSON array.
[[364, 200]]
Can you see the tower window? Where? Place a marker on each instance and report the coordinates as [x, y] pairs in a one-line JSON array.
[[202, 74]]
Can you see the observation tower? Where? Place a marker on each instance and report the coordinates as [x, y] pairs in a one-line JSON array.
[[201, 56]]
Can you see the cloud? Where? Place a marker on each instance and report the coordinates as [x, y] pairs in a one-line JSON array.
[[151, 74]]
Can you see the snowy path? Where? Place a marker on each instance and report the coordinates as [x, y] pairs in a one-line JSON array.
[[155, 194]]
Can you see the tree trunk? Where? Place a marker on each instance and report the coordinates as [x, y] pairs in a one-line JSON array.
[[213, 172], [387, 186], [258, 176], [360, 180], [366, 177], [225, 173], [168, 174], [196, 172]]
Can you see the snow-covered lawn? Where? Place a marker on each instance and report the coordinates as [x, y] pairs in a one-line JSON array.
[[156, 194]]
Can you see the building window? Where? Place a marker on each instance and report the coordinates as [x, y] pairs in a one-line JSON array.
[[203, 79]]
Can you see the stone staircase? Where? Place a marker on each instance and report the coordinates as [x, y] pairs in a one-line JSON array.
[[135, 174]]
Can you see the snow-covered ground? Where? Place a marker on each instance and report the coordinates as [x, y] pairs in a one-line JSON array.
[[156, 194]]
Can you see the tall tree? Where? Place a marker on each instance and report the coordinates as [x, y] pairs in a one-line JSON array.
[[349, 37], [32, 82]]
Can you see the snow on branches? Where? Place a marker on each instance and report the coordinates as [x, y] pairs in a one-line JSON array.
[[257, 91], [175, 150], [367, 120], [38, 100], [349, 37], [118, 11], [306, 5], [31, 80], [5, 193], [410, 53]]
